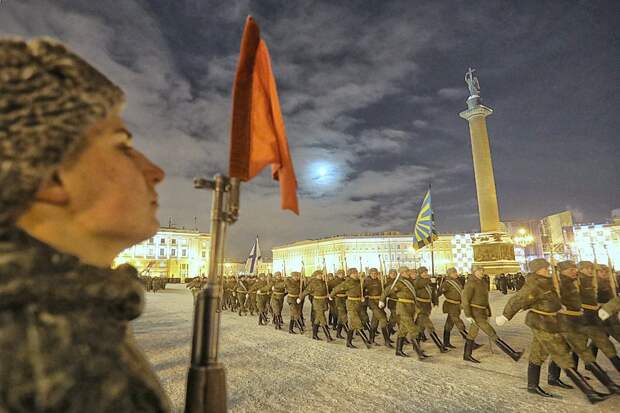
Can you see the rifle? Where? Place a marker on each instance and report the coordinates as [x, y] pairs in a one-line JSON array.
[[382, 268], [325, 276], [361, 281], [613, 282], [206, 378], [284, 267]]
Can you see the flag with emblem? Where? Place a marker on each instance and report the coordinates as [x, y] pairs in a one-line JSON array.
[[254, 258], [424, 231]]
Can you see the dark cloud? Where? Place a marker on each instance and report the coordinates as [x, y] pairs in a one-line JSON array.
[[371, 93]]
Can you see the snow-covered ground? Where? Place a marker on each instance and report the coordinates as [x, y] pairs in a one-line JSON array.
[[273, 371]]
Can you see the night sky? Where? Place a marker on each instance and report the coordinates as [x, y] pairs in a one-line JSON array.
[[371, 92]]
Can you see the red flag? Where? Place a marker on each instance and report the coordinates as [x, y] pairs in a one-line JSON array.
[[257, 136]]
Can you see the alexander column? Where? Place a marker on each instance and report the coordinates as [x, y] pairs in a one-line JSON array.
[[493, 248]]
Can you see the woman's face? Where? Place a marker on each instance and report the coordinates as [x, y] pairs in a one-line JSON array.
[[111, 185]]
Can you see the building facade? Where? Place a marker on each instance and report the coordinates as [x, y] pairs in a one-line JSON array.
[[171, 253]]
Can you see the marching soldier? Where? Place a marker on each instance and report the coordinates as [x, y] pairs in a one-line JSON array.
[[333, 281], [593, 327], [477, 312], [317, 288], [610, 309], [293, 290], [605, 292], [251, 295], [374, 289], [278, 291], [424, 302], [403, 294], [541, 298], [242, 295], [261, 290], [452, 291], [391, 304], [353, 290], [341, 304], [571, 322]]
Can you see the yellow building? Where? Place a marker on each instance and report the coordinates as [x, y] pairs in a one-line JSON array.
[[171, 253], [387, 249], [235, 266]]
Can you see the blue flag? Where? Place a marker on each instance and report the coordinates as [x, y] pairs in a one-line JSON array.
[[253, 258], [424, 231]]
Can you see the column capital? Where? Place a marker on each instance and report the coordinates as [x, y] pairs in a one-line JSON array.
[[478, 110]]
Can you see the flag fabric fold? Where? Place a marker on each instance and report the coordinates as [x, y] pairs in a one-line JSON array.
[[254, 258], [258, 136], [424, 230]]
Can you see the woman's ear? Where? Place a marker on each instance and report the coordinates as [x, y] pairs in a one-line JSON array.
[[52, 191]]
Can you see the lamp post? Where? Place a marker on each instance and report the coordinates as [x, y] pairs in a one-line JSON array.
[[523, 239]]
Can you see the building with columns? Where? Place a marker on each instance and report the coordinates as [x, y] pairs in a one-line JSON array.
[[171, 253]]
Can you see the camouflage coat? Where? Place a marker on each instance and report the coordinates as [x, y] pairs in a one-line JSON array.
[[540, 297], [65, 342]]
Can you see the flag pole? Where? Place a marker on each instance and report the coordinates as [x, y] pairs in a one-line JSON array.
[[206, 379]]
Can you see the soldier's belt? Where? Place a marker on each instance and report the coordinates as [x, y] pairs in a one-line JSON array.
[[406, 301], [424, 300], [590, 307], [354, 298], [320, 297], [242, 291], [259, 293], [292, 295], [278, 293], [572, 312], [452, 301], [478, 306], [341, 295], [374, 297], [546, 313]]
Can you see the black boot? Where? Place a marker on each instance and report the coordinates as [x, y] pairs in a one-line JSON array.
[[467, 351], [350, 339], [585, 388], [422, 337], [553, 376], [446, 339], [513, 354], [301, 326], [328, 335], [576, 360], [386, 338], [339, 331], [315, 332], [602, 376], [260, 319], [399, 347], [291, 324], [438, 342], [476, 346], [416, 347], [364, 338], [615, 360], [533, 381], [371, 337]]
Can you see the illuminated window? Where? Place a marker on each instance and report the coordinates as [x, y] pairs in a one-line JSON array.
[[204, 254], [151, 241], [184, 252], [173, 252], [161, 252], [174, 241], [162, 241]]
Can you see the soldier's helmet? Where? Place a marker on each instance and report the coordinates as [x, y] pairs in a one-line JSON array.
[[49, 96], [585, 265], [402, 269], [565, 265], [452, 271], [352, 270], [476, 267], [422, 270], [373, 270]]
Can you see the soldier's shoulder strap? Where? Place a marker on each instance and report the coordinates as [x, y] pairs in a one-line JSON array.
[[456, 286], [409, 286]]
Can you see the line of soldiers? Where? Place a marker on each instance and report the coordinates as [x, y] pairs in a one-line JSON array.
[[563, 315], [153, 284]]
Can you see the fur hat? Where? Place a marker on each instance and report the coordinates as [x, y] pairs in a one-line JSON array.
[[537, 264], [585, 264], [49, 96]]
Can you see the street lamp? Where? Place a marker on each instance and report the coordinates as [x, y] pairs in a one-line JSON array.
[[523, 239]]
